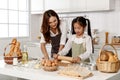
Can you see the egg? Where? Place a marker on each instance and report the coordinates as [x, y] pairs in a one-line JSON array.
[[53, 64]]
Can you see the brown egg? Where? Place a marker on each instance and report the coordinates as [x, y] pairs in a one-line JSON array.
[[53, 64], [56, 61], [43, 63], [49, 65], [48, 62]]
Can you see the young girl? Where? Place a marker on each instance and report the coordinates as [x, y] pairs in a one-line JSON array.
[[53, 31], [80, 42]]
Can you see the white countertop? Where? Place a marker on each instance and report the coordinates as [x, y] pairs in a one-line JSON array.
[[38, 74]]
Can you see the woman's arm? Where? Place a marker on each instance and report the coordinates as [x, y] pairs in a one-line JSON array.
[[43, 47], [44, 51]]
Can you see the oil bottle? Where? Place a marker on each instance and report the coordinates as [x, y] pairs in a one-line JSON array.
[[24, 56]]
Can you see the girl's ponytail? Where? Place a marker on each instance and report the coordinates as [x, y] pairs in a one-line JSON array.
[[89, 33], [89, 28]]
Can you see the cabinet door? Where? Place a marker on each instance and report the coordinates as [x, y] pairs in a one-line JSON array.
[[57, 5], [79, 5], [96, 5], [37, 6], [118, 52]]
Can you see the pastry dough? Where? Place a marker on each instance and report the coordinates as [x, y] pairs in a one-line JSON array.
[[75, 71]]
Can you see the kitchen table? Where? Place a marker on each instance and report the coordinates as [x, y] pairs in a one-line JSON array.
[[40, 74]]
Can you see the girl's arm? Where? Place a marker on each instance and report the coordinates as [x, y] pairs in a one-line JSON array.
[[88, 46], [63, 38], [61, 47], [67, 47]]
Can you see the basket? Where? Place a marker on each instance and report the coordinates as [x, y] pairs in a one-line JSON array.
[[52, 68], [9, 59], [106, 66]]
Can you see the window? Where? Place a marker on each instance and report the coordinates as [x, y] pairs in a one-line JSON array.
[[14, 18]]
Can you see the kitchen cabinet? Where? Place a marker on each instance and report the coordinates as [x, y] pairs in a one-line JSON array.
[[63, 6], [91, 5], [58, 5], [37, 6], [99, 5], [77, 6]]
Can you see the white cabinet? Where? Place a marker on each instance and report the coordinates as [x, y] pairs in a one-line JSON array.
[[62, 6], [77, 6], [99, 5], [37, 6], [118, 52], [57, 5], [91, 5]]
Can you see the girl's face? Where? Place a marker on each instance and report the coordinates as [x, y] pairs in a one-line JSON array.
[[79, 30], [53, 22]]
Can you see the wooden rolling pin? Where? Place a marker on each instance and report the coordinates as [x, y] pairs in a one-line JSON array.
[[65, 58]]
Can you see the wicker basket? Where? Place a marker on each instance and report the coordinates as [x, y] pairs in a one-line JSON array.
[[9, 59], [105, 66], [52, 68]]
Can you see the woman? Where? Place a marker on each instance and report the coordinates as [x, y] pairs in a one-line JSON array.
[[53, 31]]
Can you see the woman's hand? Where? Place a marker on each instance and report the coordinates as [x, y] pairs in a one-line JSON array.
[[76, 59], [45, 57], [55, 56]]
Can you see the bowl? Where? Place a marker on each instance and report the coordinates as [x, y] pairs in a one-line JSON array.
[[51, 68]]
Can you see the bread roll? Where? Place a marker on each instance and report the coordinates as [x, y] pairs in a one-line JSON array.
[[112, 59], [17, 44], [14, 40], [12, 47], [104, 56]]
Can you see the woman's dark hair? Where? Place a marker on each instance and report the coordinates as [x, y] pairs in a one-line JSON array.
[[45, 28], [83, 22]]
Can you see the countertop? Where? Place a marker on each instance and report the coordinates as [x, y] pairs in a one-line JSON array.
[[38, 74]]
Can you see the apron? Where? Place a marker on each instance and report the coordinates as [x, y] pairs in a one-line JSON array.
[[55, 42], [78, 49]]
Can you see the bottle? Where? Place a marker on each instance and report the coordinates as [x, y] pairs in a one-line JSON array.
[[119, 38], [15, 59], [24, 56], [106, 37]]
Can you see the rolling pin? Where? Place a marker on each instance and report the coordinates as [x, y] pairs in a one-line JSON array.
[[65, 58]]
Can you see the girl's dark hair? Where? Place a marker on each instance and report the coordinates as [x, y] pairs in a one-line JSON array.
[[45, 28], [83, 22]]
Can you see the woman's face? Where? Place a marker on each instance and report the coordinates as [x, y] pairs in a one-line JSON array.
[[79, 30], [53, 22]]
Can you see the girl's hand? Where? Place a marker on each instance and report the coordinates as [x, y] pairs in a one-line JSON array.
[[55, 56], [76, 59]]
